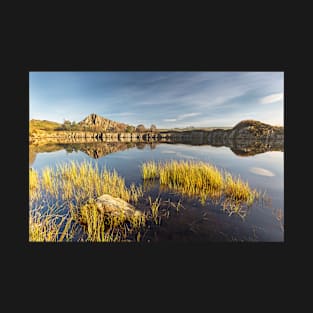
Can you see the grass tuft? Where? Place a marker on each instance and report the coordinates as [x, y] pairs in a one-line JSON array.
[[203, 180], [149, 170]]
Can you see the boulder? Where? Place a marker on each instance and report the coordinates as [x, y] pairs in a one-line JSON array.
[[106, 204]]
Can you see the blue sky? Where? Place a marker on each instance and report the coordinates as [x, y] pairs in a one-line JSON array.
[[166, 99]]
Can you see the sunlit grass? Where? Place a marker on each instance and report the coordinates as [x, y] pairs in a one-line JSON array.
[[70, 186], [154, 206], [85, 180], [95, 226], [191, 178], [49, 226], [34, 185], [236, 189], [107, 228], [66, 197], [149, 170], [204, 180], [188, 177]]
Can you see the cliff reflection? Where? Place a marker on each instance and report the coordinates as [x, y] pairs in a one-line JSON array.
[[98, 149]]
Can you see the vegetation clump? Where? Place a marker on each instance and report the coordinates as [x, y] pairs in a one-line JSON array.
[[68, 190], [201, 179]]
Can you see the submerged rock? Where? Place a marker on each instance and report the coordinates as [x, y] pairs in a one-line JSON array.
[[106, 204]]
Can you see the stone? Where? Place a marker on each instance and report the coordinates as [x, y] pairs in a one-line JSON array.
[[106, 204]]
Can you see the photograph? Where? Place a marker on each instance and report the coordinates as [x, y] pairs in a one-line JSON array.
[[152, 157]]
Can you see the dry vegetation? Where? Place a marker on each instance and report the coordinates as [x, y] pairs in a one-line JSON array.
[[204, 180], [69, 187], [62, 199]]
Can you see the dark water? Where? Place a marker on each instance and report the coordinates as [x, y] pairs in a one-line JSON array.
[[263, 171]]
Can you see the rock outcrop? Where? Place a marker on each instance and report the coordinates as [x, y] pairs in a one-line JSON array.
[[87, 136], [249, 137], [248, 130], [96, 122]]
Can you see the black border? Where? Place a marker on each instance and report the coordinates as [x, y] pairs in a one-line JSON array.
[[52, 37]]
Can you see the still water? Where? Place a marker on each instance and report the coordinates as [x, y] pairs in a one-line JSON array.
[[195, 222]]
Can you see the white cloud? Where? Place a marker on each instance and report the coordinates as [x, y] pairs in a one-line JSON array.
[[272, 98], [183, 116], [170, 120]]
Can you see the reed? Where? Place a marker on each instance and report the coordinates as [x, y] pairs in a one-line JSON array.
[[34, 185], [204, 180], [107, 228], [154, 206], [239, 190], [149, 170], [49, 226], [48, 180], [188, 177], [68, 187]]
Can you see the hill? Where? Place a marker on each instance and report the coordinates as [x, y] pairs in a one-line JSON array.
[[43, 125], [94, 122]]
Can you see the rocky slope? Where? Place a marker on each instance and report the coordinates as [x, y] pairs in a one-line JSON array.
[[248, 130], [249, 137], [99, 123]]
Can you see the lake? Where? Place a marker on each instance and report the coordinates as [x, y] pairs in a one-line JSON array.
[[264, 221]]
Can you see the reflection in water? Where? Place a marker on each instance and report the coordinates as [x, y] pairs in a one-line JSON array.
[[32, 155], [97, 149], [261, 171]]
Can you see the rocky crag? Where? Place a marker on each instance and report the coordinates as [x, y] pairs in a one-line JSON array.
[[98, 123]]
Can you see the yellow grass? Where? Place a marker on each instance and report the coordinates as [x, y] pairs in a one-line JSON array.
[[102, 228], [50, 227], [34, 185], [154, 205], [149, 170], [203, 180], [85, 180], [72, 185], [236, 189], [188, 177]]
